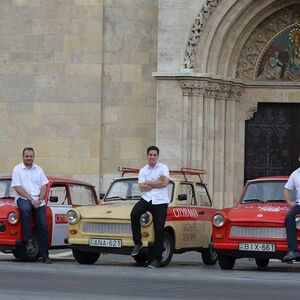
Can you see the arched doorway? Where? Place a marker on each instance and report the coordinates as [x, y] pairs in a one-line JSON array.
[[272, 140]]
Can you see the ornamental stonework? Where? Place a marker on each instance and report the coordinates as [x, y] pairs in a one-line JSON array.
[[211, 89], [206, 10], [272, 52]]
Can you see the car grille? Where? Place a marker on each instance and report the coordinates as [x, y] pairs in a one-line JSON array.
[[107, 228], [258, 232]]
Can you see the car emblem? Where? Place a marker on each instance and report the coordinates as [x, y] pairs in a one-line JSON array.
[[259, 215]]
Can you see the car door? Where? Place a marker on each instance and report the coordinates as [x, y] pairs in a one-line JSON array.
[[59, 202], [188, 217], [205, 211]]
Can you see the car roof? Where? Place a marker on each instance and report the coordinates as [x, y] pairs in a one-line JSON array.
[[173, 178], [269, 178], [56, 179]]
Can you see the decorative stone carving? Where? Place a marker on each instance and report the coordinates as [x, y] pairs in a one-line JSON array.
[[207, 9], [250, 113], [212, 89], [261, 37]]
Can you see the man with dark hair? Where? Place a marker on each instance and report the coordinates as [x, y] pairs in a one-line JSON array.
[[293, 183], [29, 181], [153, 182]]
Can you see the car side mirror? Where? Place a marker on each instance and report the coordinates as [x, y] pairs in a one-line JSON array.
[[182, 197], [102, 195], [53, 199]]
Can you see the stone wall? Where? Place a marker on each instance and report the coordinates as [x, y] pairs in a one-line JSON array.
[[129, 90], [50, 79]]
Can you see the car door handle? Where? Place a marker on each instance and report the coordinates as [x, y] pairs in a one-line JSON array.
[[200, 212]]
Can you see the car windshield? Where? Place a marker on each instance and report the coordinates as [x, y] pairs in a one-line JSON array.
[[6, 191], [128, 189], [265, 191]]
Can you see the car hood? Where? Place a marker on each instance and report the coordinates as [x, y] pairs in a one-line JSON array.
[[6, 205], [112, 210], [258, 213]]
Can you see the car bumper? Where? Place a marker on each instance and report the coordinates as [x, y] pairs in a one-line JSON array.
[[82, 244], [232, 249], [10, 245]]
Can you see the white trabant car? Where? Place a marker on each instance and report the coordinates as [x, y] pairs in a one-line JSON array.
[[106, 228]]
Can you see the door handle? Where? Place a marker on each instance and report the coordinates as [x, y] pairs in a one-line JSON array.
[[200, 212]]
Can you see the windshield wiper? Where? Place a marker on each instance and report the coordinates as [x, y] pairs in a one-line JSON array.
[[115, 198], [253, 200], [276, 200]]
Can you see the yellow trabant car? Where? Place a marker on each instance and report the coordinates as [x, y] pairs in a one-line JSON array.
[[106, 228]]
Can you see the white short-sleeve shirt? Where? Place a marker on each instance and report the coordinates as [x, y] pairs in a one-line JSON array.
[[156, 195], [31, 179], [293, 183]]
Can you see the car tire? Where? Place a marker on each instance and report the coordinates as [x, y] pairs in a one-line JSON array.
[[209, 256], [262, 262], [226, 262], [168, 249], [142, 258], [84, 257], [29, 255]]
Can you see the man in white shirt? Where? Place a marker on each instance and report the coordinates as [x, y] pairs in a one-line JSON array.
[[153, 183], [292, 184], [29, 181]]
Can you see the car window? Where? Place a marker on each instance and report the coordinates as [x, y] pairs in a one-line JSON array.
[[6, 191], [186, 191], [128, 189], [82, 195], [58, 195], [263, 191], [202, 195]]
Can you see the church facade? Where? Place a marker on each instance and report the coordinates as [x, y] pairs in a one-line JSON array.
[[213, 83]]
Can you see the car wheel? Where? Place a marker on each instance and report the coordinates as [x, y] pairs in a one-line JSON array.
[[29, 253], [141, 258], [262, 262], [226, 262], [168, 249], [84, 257], [209, 256]]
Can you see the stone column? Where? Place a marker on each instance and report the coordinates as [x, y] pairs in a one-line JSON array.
[[209, 133]]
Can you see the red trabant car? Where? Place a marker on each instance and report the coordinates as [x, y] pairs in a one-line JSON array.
[[62, 194], [255, 228]]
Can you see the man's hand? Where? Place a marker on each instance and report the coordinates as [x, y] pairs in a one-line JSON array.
[[35, 203]]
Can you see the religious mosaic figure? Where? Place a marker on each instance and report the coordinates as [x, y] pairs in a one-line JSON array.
[[281, 59], [273, 67], [293, 70]]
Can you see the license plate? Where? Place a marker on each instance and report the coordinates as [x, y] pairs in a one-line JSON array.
[[105, 243], [263, 247]]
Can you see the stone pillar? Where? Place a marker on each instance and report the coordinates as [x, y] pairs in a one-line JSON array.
[[209, 133]]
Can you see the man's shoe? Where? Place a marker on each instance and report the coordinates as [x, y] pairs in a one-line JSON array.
[[136, 249], [291, 255], [154, 264], [46, 260]]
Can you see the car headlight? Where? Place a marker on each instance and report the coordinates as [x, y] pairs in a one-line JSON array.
[[218, 220], [13, 218], [297, 222], [146, 219], [73, 216]]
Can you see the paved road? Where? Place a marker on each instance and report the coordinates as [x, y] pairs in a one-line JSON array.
[[118, 277]]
